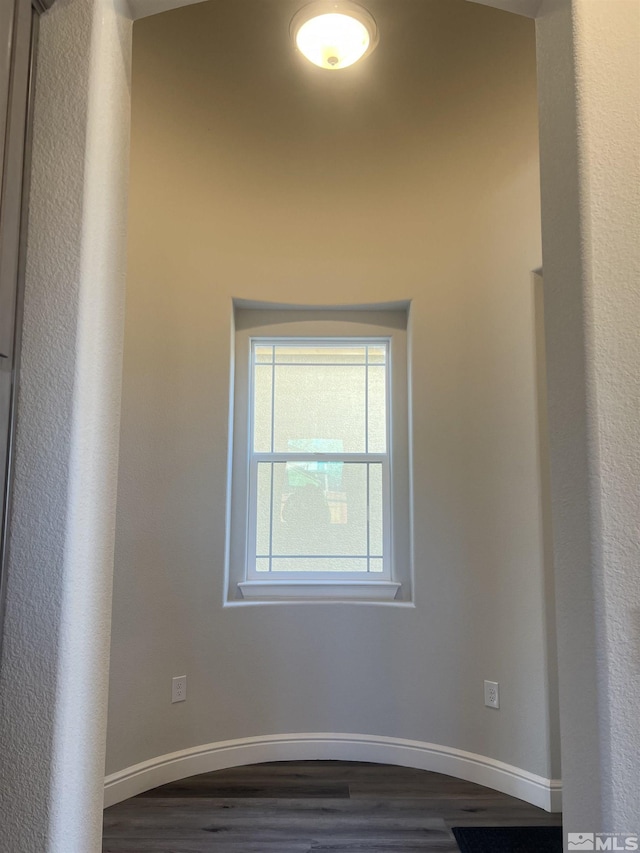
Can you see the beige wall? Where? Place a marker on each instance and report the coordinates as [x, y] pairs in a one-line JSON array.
[[414, 176]]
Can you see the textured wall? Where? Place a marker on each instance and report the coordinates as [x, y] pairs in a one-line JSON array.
[[608, 36], [589, 123], [53, 673], [414, 177]]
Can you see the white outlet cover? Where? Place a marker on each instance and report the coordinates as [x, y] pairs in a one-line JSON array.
[[179, 688], [492, 694]]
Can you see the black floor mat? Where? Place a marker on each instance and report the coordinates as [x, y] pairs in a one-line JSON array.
[[509, 839]]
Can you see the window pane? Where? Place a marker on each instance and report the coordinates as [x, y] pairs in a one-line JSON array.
[[263, 504], [375, 510], [377, 354], [323, 510], [320, 509], [325, 514], [263, 354], [262, 408], [320, 402], [377, 409], [321, 564], [344, 354], [323, 519]]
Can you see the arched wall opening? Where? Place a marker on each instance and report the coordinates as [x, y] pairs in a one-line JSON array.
[[412, 177], [74, 310]]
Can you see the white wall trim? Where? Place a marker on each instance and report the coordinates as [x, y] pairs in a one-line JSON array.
[[541, 792], [324, 590]]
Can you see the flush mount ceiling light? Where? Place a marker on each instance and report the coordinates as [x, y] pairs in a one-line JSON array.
[[334, 35]]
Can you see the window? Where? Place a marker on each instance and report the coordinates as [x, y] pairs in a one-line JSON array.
[[319, 485]]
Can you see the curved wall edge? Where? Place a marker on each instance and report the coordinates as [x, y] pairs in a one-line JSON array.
[[541, 792]]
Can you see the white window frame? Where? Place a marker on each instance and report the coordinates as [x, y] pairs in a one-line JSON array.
[[255, 458], [255, 325]]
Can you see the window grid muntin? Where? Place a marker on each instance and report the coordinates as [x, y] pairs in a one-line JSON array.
[[273, 457]]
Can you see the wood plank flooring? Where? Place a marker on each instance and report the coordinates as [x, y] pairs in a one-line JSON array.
[[310, 807]]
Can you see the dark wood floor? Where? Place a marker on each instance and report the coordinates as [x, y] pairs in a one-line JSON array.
[[310, 807]]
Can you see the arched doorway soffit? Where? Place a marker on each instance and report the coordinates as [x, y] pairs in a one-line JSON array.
[[144, 8], [528, 8]]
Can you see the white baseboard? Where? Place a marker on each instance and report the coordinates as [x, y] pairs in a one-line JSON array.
[[541, 792]]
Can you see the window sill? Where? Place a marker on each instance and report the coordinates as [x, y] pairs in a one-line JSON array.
[[310, 590]]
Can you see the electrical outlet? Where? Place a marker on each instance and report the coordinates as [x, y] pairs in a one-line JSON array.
[[492, 694], [179, 688]]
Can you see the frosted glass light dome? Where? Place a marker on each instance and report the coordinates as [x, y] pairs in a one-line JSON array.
[[334, 35]]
